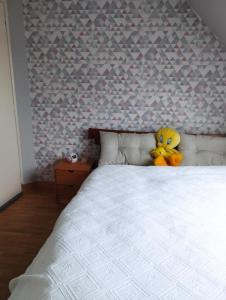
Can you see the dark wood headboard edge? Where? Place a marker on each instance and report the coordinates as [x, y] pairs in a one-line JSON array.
[[94, 133]]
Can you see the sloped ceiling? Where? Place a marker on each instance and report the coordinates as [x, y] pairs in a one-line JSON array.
[[213, 12]]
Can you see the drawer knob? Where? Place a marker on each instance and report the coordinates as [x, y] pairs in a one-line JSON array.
[[70, 171]]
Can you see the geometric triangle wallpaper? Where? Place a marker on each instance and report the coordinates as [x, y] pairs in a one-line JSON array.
[[122, 64]]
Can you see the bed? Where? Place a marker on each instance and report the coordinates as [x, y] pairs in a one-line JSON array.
[[136, 232]]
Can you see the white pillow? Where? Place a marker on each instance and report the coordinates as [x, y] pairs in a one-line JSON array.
[[126, 148], [201, 150]]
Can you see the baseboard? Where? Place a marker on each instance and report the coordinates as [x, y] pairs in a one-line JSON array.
[[37, 186], [11, 201]]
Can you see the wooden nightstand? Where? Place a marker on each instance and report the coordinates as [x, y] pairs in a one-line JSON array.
[[69, 177]]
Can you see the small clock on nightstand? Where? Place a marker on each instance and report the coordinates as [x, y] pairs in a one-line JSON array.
[[69, 177]]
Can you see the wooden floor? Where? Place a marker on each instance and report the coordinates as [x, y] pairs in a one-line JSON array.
[[24, 227]]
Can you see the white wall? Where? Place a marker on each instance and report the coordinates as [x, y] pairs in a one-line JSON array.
[[10, 180], [17, 37], [213, 12]]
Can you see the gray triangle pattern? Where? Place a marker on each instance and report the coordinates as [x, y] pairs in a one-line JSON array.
[[125, 64]]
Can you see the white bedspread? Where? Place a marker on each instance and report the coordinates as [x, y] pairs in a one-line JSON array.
[[136, 233]]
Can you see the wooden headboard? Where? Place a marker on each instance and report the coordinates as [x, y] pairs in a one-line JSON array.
[[94, 133]]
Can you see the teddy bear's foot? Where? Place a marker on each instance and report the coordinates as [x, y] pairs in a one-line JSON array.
[[160, 161], [175, 159]]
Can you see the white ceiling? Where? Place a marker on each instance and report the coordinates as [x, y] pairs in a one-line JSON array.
[[213, 12]]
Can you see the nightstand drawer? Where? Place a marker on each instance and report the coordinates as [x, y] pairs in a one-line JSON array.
[[70, 177]]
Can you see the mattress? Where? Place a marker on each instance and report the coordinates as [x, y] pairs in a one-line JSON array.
[[136, 233]]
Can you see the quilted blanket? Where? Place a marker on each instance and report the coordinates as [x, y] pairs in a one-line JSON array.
[[136, 233]]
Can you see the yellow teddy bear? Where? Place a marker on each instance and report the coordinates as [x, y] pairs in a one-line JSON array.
[[165, 154]]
